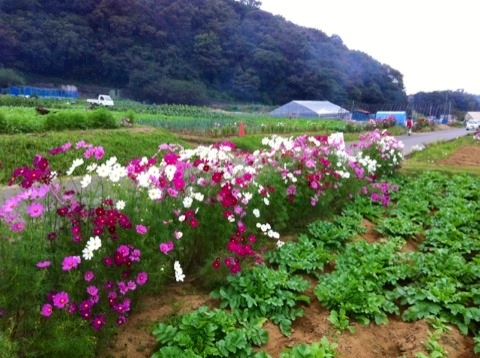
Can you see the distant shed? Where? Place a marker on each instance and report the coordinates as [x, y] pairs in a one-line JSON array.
[[360, 115], [311, 109], [472, 115], [400, 117]]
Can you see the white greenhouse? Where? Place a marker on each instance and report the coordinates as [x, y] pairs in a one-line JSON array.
[[311, 109]]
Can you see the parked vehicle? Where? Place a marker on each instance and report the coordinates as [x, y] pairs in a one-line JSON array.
[[102, 100], [472, 124]]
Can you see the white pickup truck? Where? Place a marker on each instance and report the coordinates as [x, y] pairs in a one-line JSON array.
[[102, 100]]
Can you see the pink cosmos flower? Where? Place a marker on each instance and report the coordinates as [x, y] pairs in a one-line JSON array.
[[18, 226], [43, 264], [141, 229], [98, 322], [166, 247], [60, 299], [132, 286], [142, 278], [121, 321], [123, 250], [99, 152], [46, 310], [89, 276], [92, 290], [135, 255], [70, 262]]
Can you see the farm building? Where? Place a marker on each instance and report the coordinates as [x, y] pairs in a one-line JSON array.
[[311, 109], [400, 117], [27, 91], [362, 115], [472, 115]]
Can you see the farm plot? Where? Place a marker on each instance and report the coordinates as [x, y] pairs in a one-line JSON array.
[[381, 282]]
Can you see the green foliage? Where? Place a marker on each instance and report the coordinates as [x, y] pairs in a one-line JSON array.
[[59, 121], [398, 226], [9, 77], [264, 292], [125, 144], [476, 339], [8, 348], [329, 234], [324, 349], [177, 54], [433, 346], [365, 207], [101, 119], [3, 124], [305, 255], [209, 333], [340, 320], [361, 280]]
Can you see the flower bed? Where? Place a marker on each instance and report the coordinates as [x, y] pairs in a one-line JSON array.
[[79, 251]]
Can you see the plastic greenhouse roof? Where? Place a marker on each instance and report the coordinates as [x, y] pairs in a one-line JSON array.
[[321, 107]]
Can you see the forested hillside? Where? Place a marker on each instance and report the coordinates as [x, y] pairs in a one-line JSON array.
[[189, 51]]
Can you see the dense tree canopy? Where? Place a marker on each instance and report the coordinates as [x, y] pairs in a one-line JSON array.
[[184, 50]]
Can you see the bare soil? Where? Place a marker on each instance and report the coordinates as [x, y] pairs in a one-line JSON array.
[[397, 339]]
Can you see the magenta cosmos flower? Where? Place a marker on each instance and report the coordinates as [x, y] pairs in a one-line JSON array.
[[60, 300], [166, 247], [18, 226], [43, 264], [92, 290], [70, 262], [98, 322], [142, 278], [46, 310], [35, 209], [141, 229], [88, 276]]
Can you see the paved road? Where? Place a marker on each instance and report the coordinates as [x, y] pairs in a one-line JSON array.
[[421, 139], [431, 137]]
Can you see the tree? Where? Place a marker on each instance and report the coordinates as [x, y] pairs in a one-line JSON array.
[[9, 77]]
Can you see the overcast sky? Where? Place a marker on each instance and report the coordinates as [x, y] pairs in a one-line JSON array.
[[433, 43]]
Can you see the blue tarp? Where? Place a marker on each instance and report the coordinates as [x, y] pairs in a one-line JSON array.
[[42, 92], [400, 117]]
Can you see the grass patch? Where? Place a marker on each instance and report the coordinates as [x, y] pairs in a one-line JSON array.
[[126, 144], [429, 158]]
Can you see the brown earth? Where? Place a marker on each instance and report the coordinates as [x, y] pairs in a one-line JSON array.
[[397, 339], [466, 156]]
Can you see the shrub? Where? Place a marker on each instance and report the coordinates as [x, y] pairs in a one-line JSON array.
[[58, 121], [101, 118]]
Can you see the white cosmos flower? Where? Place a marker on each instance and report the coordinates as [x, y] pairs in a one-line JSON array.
[[143, 180], [87, 179], [87, 253], [155, 194], [170, 171], [103, 171], [94, 243], [120, 205], [179, 276], [92, 167], [76, 163], [280, 243], [181, 218], [111, 161], [256, 213], [266, 201], [187, 202], [199, 196]]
